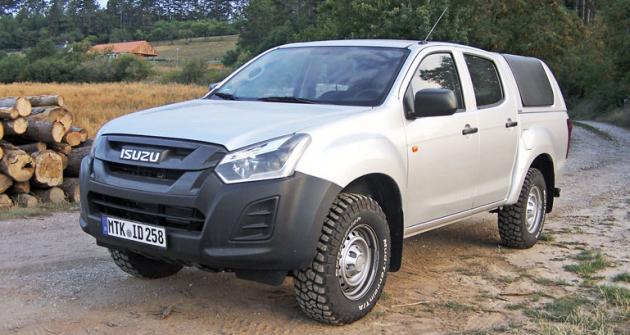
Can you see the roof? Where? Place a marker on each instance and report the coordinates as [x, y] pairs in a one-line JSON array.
[[136, 47]]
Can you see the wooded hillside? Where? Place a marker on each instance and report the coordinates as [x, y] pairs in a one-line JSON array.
[[586, 42]]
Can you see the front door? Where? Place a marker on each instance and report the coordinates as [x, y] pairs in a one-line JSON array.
[[443, 157]]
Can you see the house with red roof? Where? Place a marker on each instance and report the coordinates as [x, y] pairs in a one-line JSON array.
[[138, 48]]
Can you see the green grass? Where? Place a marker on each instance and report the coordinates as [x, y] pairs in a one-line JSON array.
[[617, 295], [624, 277], [589, 263], [559, 310], [547, 237], [211, 49], [467, 272], [38, 210], [552, 282], [518, 306], [458, 306], [592, 129]]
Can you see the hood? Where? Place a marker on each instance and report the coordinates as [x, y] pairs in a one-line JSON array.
[[233, 124]]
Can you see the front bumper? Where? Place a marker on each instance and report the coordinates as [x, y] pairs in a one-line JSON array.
[[269, 225]]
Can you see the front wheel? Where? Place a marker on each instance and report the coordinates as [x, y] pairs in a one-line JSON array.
[[521, 224], [347, 276]]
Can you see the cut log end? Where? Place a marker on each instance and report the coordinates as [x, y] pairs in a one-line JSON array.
[[15, 127], [5, 201], [48, 168], [72, 188], [26, 200], [17, 164], [53, 195], [23, 107]]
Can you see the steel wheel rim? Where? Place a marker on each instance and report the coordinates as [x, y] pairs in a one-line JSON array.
[[358, 261], [534, 209]]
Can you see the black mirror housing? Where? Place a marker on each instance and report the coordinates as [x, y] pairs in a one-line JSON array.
[[433, 102]]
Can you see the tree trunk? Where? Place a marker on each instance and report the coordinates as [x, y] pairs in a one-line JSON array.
[[25, 200], [48, 169], [72, 138], [17, 164], [49, 132], [83, 132], [33, 147], [8, 113], [20, 187], [63, 148], [74, 161], [5, 201], [45, 100], [19, 103], [53, 114], [5, 183], [15, 127], [53, 195], [72, 188]]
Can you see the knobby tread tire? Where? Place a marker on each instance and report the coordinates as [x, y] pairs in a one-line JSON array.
[[314, 285], [513, 218], [143, 267]]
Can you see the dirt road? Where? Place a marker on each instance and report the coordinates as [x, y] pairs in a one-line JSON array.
[[55, 280]]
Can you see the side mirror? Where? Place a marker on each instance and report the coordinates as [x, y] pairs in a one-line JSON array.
[[213, 86], [433, 102]]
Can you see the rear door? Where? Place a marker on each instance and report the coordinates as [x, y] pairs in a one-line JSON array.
[[498, 128], [443, 161]]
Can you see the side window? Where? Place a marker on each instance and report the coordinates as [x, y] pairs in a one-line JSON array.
[[435, 71], [485, 79]]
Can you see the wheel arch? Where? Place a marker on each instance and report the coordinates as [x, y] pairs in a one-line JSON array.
[[544, 164], [384, 190]]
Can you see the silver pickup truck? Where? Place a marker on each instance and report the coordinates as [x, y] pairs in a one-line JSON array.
[[315, 160]]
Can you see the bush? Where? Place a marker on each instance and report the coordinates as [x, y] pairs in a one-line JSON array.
[[131, 68], [10, 68], [230, 57], [48, 70]]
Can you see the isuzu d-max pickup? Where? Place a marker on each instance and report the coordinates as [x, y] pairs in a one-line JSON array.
[[315, 160]]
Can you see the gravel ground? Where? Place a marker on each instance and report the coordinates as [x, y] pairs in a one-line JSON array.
[[55, 280]]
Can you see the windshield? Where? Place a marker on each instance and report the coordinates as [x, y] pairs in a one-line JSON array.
[[359, 76]]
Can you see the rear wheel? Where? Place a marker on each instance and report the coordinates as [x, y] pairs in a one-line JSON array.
[[141, 266], [521, 224], [347, 276]]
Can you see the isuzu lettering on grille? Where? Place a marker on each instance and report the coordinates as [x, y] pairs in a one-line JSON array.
[[140, 155]]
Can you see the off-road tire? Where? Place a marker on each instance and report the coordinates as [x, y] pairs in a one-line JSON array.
[[324, 291], [143, 267], [514, 228]]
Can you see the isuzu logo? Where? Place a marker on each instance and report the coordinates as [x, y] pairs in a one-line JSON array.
[[140, 155]]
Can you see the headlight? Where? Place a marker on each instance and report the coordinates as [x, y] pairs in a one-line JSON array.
[[269, 160]]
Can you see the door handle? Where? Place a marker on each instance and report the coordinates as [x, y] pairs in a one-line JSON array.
[[468, 130], [511, 124]]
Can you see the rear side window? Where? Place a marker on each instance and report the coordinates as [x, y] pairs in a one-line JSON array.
[[485, 79], [532, 81]]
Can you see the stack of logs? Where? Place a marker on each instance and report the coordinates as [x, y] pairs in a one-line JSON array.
[[40, 151]]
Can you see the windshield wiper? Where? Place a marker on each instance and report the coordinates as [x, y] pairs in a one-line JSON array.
[[289, 99], [226, 96]]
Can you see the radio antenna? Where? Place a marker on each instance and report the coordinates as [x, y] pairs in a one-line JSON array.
[[435, 25]]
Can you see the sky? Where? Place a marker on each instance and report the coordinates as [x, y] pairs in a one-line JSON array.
[[102, 3]]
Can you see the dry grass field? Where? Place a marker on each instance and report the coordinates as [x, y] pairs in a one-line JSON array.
[[95, 104]]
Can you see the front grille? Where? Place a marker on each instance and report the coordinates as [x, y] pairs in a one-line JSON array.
[[184, 218], [123, 170]]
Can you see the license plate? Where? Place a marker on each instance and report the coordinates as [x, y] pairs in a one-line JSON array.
[[134, 231]]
